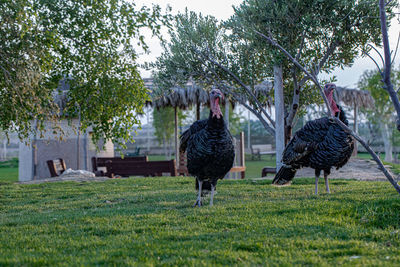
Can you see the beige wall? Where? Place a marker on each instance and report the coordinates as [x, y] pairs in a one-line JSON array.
[[49, 147]]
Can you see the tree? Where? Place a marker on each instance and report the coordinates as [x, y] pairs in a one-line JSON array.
[[23, 60], [314, 79], [384, 12], [320, 34], [383, 113], [88, 42], [236, 57]]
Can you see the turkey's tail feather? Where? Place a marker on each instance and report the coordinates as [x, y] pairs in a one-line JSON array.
[[184, 140], [284, 176]]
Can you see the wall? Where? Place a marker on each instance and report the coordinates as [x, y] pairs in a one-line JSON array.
[[49, 147]]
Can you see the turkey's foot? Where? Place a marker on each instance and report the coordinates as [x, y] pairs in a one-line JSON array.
[[198, 203]]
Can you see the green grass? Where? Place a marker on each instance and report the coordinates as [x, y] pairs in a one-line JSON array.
[[8, 175], [9, 171], [150, 221], [254, 167], [11, 163]]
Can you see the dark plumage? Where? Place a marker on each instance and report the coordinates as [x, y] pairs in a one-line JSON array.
[[321, 144], [209, 146]]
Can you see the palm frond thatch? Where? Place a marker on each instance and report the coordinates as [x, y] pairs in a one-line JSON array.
[[349, 97]]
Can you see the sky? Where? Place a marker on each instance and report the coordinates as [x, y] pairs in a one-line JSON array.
[[222, 10]]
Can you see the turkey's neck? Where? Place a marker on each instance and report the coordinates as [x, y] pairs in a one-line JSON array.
[[342, 116], [215, 109], [215, 122]]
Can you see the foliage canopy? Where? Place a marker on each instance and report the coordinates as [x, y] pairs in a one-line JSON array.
[[90, 44]]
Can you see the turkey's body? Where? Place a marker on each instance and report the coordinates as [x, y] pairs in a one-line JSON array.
[[321, 144], [210, 151]]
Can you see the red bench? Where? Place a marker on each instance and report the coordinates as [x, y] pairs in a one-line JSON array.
[[130, 166], [147, 168]]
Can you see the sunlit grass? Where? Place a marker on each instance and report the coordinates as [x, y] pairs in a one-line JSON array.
[[150, 221]]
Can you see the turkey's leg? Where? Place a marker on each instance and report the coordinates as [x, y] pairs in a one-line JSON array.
[[316, 184], [212, 194], [326, 182], [198, 201]]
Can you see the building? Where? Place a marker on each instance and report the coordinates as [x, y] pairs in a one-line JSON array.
[[33, 157]]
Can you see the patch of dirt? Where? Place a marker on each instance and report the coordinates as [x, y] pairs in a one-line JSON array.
[[359, 169], [68, 178]]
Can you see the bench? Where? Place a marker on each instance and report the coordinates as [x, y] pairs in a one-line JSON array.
[[56, 167], [142, 168], [264, 149], [101, 163], [130, 166], [267, 170], [133, 154]]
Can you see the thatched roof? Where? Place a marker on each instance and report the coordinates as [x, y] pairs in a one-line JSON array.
[[348, 96], [193, 94], [181, 97], [174, 97]]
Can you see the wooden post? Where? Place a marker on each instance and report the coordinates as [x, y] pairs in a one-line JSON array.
[[198, 111], [227, 113], [355, 127], [34, 152], [78, 145], [228, 175], [248, 132], [176, 138], [242, 156], [279, 115]]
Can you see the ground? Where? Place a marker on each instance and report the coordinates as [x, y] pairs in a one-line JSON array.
[[356, 168], [151, 221]]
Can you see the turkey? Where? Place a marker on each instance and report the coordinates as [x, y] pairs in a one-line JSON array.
[[209, 146], [321, 144]]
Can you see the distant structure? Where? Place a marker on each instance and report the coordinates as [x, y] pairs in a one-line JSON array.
[[75, 148]]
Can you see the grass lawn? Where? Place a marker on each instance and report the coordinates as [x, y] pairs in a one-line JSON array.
[[150, 221], [8, 175]]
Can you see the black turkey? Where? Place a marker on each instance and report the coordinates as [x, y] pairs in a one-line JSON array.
[[321, 144], [209, 146]]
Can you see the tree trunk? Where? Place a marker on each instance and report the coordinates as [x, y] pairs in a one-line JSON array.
[[386, 137], [388, 86], [279, 115], [293, 109]]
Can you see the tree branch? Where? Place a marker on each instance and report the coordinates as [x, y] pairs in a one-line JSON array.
[[295, 62], [397, 47], [242, 102], [388, 64], [379, 54], [241, 84], [376, 63]]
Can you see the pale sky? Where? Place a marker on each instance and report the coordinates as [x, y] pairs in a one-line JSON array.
[[222, 10]]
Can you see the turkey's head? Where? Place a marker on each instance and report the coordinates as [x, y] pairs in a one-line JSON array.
[[215, 97], [328, 90]]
